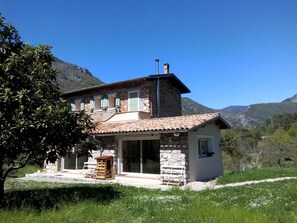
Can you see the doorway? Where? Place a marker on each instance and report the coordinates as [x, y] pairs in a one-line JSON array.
[[141, 156], [72, 161]]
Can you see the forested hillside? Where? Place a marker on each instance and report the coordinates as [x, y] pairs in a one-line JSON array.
[[71, 77]]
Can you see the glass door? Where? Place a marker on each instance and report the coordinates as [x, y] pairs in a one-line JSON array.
[[131, 156], [151, 156], [141, 156], [72, 161]]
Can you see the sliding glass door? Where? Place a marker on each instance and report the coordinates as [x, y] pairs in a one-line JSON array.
[[141, 156], [72, 161]]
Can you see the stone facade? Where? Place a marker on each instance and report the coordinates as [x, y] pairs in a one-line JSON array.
[[170, 97], [111, 149], [174, 151], [170, 100]]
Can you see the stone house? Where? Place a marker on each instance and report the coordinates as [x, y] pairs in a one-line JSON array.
[[139, 123]]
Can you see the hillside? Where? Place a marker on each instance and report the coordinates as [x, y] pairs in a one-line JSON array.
[[242, 115], [292, 99], [190, 107], [258, 113], [71, 77]]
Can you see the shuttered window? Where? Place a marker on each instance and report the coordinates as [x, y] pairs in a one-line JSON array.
[[117, 101], [104, 102], [92, 103], [133, 101], [82, 105]]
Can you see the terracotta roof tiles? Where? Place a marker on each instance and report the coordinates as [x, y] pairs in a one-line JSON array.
[[171, 124]]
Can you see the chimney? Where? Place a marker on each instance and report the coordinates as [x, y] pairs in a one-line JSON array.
[[157, 66], [166, 68]]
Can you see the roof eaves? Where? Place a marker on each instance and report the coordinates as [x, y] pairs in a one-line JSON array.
[[104, 85], [141, 132], [184, 89], [216, 118]]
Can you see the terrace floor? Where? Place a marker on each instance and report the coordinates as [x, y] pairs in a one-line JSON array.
[[135, 180]]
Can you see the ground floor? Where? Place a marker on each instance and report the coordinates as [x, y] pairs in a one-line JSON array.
[[181, 157]]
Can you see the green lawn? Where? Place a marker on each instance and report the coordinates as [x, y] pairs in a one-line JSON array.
[[257, 174], [22, 172], [51, 202]]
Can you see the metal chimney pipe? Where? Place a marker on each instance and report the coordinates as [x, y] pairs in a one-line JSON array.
[[157, 66]]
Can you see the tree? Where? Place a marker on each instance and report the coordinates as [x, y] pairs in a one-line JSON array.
[[229, 144], [35, 122], [248, 140], [281, 146]]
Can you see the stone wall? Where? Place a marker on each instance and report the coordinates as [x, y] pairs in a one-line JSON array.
[[170, 99], [51, 167], [110, 150], [123, 89], [174, 151]]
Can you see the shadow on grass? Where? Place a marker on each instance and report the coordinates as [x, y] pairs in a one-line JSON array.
[[53, 198]]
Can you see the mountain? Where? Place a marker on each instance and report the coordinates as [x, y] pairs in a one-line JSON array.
[[71, 77], [236, 116], [258, 113], [190, 107], [230, 113], [292, 99]]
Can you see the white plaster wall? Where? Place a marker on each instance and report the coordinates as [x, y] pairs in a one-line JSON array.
[[129, 116], [207, 167]]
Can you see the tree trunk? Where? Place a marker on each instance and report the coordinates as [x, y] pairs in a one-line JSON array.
[[1, 191]]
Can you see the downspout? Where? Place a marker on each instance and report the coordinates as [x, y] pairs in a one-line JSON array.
[[158, 88], [158, 97]]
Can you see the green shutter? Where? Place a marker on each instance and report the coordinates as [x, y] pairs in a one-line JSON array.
[[82, 106], [133, 101], [92, 103], [104, 102], [72, 106], [117, 101]]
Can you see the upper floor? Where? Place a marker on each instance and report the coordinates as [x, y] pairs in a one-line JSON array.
[[157, 95]]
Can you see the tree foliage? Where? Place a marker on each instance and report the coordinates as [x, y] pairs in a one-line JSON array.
[[229, 144], [35, 122], [271, 144]]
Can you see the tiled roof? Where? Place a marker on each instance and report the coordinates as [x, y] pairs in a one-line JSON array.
[[169, 124], [171, 77]]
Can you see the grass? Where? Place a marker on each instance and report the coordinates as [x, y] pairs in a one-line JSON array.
[[57, 202], [22, 172], [257, 174]]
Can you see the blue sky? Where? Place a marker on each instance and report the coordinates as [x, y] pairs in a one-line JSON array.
[[228, 52]]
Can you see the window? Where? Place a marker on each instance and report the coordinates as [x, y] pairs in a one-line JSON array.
[[204, 146], [133, 101], [82, 105], [117, 101], [104, 102], [72, 106]]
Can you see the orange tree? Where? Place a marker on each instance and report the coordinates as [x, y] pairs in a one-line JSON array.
[[35, 122]]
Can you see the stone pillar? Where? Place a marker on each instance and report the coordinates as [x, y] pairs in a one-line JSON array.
[[110, 150], [174, 151]]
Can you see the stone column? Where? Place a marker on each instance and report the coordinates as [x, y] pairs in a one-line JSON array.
[[174, 151]]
